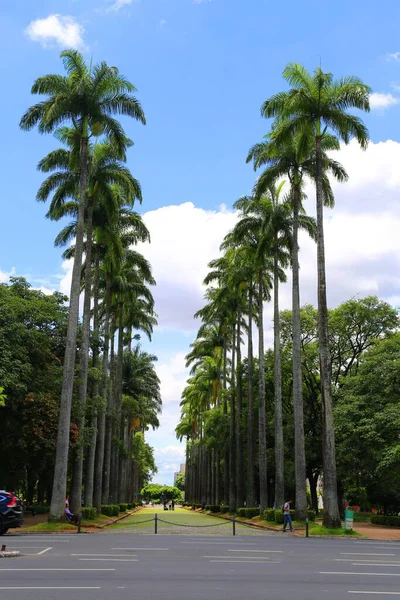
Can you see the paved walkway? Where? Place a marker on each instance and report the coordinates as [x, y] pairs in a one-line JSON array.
[[376, 532]]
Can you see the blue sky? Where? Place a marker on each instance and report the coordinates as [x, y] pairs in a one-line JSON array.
[[202, 70]]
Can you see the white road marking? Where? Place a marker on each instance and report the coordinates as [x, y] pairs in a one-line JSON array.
[[366, 560], [381, 564], [112, 555], [262, 558], [12, 570], [380, 593], [247, 562], [264, 551], [113, 559], [44, 551], [353, 573], [150, 549], [50, 588], [364, 554], [220, 543]]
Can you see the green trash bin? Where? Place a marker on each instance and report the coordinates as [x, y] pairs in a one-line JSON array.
[[348, 519]]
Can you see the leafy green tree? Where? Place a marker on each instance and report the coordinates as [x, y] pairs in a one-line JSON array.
[[87, 98], [180, 482], [317, 105], [367, 420]]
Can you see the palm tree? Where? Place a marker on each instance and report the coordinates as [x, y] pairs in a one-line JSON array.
[[87, 98], [296, 160], [128, 283], [315, 105], [268, 221], [105, 171]]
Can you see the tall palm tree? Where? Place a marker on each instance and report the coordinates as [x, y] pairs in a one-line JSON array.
[[269, 222], [87, 98], [296, 160], [105, 171], [128, 283], [316, 104]]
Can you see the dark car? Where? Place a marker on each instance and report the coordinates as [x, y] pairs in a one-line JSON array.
[[11, 511]]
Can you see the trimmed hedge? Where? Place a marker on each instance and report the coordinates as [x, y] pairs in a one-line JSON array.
[[89, 513], [269, 515], [385, 520], [110, 510], [123, 507], [131, 505], [215, 508], [248, 513], [224, 509]]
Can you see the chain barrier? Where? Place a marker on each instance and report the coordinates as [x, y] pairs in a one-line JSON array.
[[141, 522], [194, 526]]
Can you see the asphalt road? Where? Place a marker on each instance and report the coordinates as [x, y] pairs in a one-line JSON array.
[[124, 566]]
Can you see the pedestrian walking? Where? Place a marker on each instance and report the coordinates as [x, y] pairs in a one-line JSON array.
[[287, 519]]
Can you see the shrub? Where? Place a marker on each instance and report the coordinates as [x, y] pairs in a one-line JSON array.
[[311, 515], [123, 507], [89, 513], [241, 512], [269, 515], [250, 513], [215, 508], [110, 510], [224, 509], [385, 520], [278, 517]]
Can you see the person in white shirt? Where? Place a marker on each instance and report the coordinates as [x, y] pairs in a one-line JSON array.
[[287, 519]]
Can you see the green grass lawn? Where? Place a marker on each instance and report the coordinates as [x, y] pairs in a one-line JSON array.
[[179, 521], [46, 526]]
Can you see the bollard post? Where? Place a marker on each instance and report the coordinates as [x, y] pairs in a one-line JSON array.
[[233, 525], [306, 526], [155, 523]]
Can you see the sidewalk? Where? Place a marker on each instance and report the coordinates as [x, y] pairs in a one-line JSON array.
[[377, 532]]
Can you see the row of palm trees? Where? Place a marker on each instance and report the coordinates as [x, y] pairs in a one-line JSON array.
[[310, 121], [109, 387]]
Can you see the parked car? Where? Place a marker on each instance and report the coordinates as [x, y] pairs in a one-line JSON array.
[[11, 511]]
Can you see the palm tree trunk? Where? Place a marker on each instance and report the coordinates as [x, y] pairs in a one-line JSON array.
[[101, 446], [279, 449], [57, 508], [76, 490], [117, 409], [299, 446], [225, 409], [89, 482], [217, 491], [262, 442], [251, 493], [109, 419], [239, 444], [331, 508], [232, 431]]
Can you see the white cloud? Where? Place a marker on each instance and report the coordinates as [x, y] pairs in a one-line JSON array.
[[393, 56], [5, 275], [163, 23], [381, 101], [201, 1], [62, 30], [184, 239], [118, 4]]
